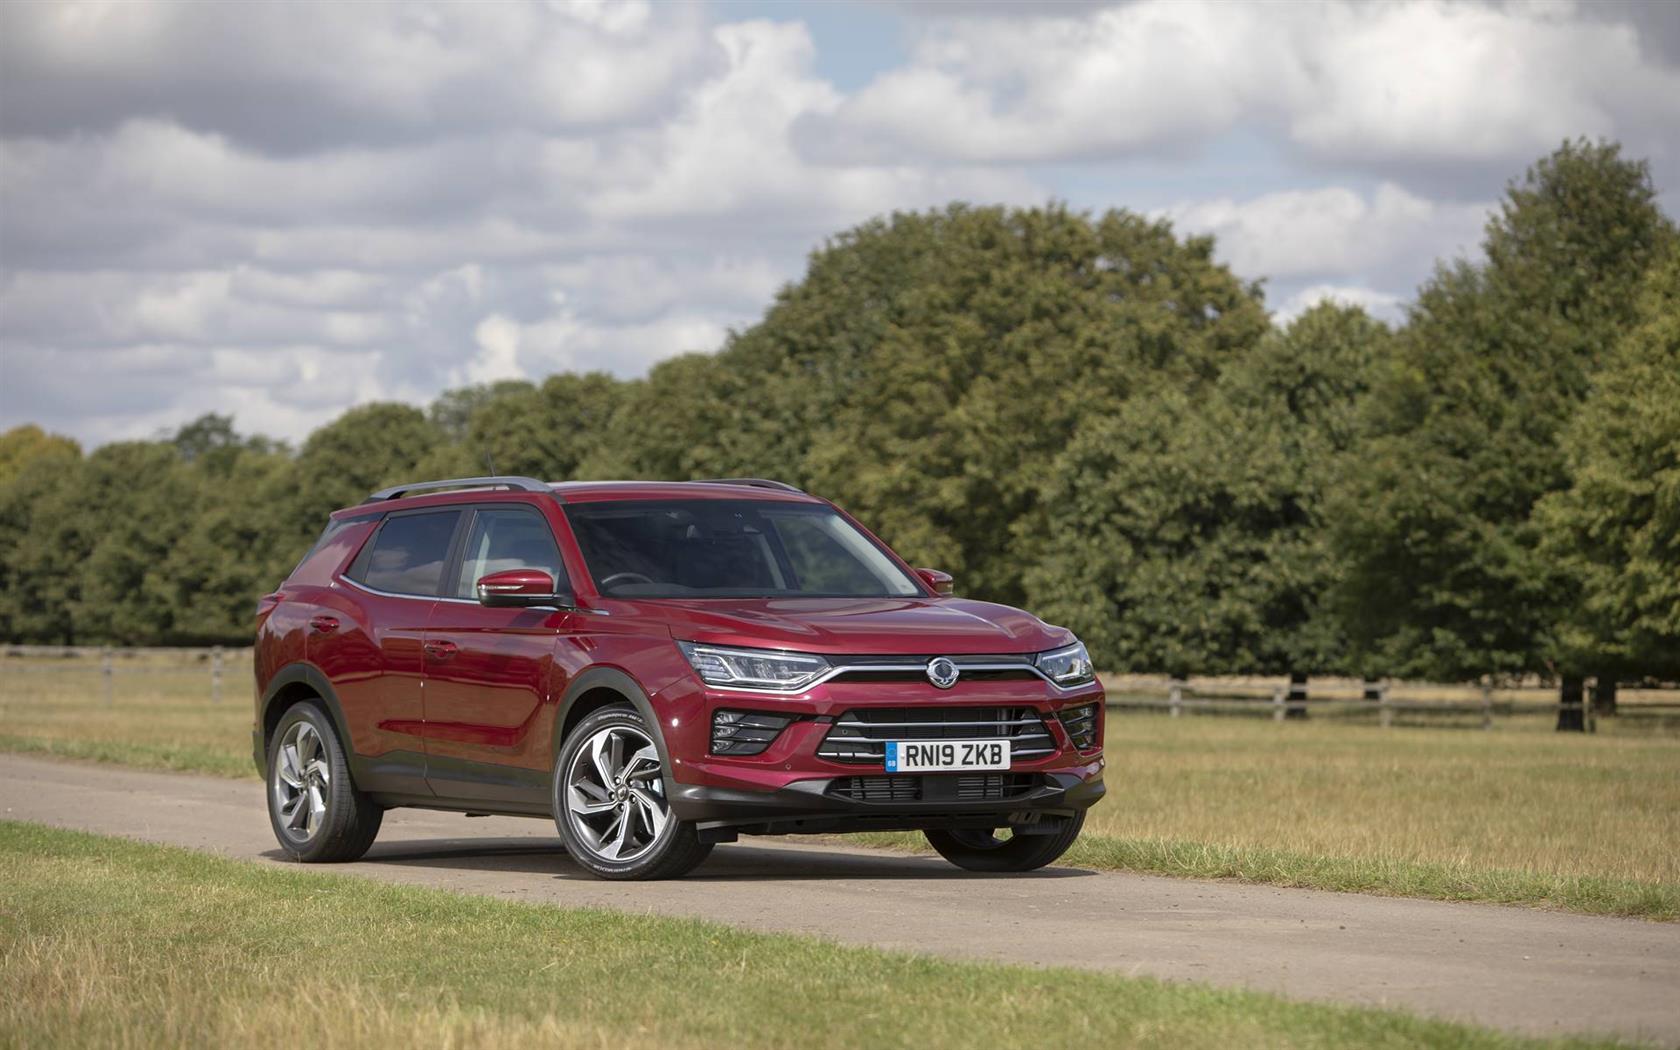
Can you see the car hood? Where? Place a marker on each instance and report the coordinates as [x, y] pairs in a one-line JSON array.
[[861, 626]]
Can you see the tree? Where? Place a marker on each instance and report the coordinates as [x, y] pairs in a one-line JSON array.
[[929, 367], [366, 448], [1444, 579], [548, 431], [1188, 534], [1615, 530], [39, 473]]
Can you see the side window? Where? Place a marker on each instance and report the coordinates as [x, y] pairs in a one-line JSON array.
[[508, 538], [408, 555]]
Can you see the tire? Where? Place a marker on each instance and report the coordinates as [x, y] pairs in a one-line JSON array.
[[306, 766], [610, 806], [984, 851]]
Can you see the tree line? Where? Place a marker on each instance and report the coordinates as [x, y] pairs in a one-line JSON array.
[[1086, 415]]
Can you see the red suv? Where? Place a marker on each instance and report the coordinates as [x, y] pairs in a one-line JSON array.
[[660, 666]]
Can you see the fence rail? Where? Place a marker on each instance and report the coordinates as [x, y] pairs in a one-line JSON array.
[[1179, 699], [108, 662], [1175, 697]]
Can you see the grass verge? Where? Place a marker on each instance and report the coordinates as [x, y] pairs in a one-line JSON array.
[[106, 942]]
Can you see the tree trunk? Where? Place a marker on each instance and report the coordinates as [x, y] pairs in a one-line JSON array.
[[1604, 695], [1572, 714], [1297, 695]]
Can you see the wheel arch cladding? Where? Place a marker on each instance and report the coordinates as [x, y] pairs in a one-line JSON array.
[[603, 687], [294, 684]]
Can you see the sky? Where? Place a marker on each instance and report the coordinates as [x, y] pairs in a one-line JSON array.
[[278, 211]]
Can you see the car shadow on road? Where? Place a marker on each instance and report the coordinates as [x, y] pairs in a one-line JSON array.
[[733, 862]]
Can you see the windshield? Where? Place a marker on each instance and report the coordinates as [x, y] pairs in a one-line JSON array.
[[731, 549]]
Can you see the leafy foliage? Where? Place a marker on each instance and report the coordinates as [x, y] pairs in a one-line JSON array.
[[1616, 529], [1444, 574]]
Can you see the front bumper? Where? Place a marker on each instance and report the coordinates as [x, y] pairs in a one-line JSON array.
[[798, 783], [821, 805]]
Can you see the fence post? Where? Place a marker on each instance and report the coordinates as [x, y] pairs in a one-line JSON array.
[[1175, 697], [1278, 710], [106, 670], [1487, 704], [1385, 709], [216, 674]]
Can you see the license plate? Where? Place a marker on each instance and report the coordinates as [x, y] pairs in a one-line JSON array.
[[931, 756]]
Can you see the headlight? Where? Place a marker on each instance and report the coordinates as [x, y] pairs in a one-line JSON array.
[[753, 668], [1069, 665]]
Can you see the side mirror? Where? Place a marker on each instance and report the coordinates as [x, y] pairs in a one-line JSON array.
[[519, 588], [940, 582]]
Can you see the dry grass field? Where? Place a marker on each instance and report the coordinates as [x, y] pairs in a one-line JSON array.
[[110, 943], [1517, 813]]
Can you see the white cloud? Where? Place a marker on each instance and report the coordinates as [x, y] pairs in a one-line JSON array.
[[1415, 84], [282, 211], [1332, 230], [1384, 305]]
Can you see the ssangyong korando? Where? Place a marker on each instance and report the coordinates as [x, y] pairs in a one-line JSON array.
[[660, 667]]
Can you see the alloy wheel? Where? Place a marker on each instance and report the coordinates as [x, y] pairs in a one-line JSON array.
[[615, 796], [302, 782]]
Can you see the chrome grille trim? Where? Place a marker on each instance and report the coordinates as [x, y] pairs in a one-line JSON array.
[[858, 738]]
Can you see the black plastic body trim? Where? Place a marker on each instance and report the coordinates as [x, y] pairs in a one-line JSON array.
[[806, 807], [617, 681]]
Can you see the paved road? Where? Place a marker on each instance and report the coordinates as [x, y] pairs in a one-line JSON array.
[[1512, 968]]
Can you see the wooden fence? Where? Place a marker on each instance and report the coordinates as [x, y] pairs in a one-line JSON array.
[[111, 662], [1178, 697], [1375, 703]]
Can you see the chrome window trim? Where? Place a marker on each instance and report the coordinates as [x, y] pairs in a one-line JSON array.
[[454, 601], [397, 594]]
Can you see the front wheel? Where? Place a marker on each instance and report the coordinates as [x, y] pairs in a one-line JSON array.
[[985, 851], [609, 800]]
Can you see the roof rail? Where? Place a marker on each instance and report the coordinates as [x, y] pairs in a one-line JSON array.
[[757, 483], [509, 482]]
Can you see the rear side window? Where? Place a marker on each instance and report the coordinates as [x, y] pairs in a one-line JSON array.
[[503, 539], [408, 555]]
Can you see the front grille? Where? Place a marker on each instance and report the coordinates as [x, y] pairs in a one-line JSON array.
[[1003, 667], [860, 734], [935, 787]]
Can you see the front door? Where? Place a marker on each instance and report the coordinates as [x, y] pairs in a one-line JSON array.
[[491, 674]]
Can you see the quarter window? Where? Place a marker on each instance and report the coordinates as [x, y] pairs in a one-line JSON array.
[[408, 555]]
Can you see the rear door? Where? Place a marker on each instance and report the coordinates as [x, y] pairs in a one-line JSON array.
[[491, 674], [369, 643]]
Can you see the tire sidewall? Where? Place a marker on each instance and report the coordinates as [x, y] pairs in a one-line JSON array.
[[580, 852], [339, 800]]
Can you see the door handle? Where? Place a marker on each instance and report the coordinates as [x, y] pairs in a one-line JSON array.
[[323, 624], [440, 650]]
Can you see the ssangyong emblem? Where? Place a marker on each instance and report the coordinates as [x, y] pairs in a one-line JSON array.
[[942, 672]]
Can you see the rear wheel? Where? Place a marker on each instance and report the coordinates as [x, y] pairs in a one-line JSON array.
[[318, 815], [983, 850], [609, 800]]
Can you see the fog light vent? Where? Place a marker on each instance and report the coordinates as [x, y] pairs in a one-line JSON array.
[[1081, 725], [745, 732]]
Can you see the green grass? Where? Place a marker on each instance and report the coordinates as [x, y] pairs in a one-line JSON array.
[[1518, 814], [105, 942]]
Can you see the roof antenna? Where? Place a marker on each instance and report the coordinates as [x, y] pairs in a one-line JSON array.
[[490, 463]]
